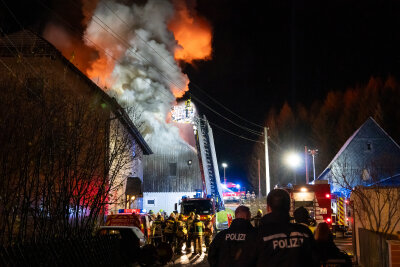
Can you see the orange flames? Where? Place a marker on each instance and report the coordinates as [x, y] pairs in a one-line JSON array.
[[193, 34]]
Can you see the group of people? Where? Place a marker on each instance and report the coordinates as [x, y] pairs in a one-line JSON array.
[[275, 241], [176, 231]]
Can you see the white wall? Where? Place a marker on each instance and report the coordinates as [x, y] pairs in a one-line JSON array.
[[164, 200]]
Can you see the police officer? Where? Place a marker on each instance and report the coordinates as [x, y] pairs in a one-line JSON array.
[[170, 229], [157, 231], [189, 224], [257, 219], [208, 231], [235, 246], [181, 234], [197, 232], [280, 242]]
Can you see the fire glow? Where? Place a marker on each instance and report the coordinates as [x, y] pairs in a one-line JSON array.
[[193, 34]]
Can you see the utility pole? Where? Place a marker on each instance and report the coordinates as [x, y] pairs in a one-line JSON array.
[[259, 179], [267, 178], [306, 160], [313, 153]]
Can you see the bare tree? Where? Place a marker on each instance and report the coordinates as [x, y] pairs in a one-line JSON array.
[[59, 163], [375, 206]]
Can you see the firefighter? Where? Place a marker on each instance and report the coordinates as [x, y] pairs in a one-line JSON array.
[[257, 219], [208, 231], [170, 229], [157, 231], [189, 224], [197, 231], [181, 234]]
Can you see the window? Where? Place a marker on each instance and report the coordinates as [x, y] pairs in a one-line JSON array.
[[368, 147], [151, 202], [172, 169]]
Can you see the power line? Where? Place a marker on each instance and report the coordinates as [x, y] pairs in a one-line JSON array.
[[128, 46], [234, 134], [174, 67]]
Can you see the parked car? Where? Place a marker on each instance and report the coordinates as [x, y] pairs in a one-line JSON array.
[[125, 232]]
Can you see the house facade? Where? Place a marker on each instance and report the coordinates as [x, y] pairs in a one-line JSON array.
[[368, 157], [71, 122]]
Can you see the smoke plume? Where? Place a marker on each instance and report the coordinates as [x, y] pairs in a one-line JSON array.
[[138, 46]]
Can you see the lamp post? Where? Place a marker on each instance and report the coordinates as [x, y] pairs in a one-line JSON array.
[[224, 165], [293, 160]]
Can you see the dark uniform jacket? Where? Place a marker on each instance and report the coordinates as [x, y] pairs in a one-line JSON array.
[[235, 246], [281, 243]]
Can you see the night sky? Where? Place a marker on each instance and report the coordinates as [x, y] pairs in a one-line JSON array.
[[270, 52], [295, 51]]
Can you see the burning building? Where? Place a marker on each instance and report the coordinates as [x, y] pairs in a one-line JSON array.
[[68, 149], [135, 49]]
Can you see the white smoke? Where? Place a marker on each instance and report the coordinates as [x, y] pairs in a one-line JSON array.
[[142, 77]]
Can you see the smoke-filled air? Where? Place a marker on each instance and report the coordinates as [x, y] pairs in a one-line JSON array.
[[138, 50]]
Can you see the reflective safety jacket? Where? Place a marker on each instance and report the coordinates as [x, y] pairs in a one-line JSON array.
[[170, 226], [235, 246], [181, 228], [157, 228], [281, 243], [209, 227], [189, 224], [198, 228]]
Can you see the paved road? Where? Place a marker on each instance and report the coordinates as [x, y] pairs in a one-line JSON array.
[[191, 259]]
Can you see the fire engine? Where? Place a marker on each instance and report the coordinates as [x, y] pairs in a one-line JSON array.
[[199, 205], [322, 205], [231, 192]]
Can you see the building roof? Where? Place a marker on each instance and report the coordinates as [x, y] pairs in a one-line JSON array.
[[30, 44], [370, 129]]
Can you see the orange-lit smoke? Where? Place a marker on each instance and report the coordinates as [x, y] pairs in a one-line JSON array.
[[192, 32]]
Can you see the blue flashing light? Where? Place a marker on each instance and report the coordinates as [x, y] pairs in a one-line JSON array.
[[121, 211], [209, 196], [184, 197], [238, 186], [143, 211]]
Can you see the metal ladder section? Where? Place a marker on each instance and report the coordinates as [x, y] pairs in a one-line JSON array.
[[209, 161]]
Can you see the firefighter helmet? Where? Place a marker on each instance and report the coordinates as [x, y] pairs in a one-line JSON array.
[[259, 212]]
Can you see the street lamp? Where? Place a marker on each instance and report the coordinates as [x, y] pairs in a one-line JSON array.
[[224, 165], [293, 160]]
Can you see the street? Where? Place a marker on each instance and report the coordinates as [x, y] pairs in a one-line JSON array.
[[343, 243]]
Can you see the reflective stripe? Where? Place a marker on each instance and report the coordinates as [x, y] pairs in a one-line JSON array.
[[298, 234], [282, 235], [270, 237]]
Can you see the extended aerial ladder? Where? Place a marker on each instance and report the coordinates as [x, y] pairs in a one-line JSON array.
[[205, 151], [208, 161]]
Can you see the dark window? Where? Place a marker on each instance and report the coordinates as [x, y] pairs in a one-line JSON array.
[[172, 169], [150, 202], [34, 87], [369, 146]]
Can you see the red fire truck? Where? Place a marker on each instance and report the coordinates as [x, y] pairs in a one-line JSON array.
[[316, 198], [232, 192], [322, 205]]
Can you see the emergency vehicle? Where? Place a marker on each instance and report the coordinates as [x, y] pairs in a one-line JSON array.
[[322, 205], [231, 192], [130, 217], [201, 206], [316, 198]]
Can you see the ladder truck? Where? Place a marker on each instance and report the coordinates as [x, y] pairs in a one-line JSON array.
[[210, 199]]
